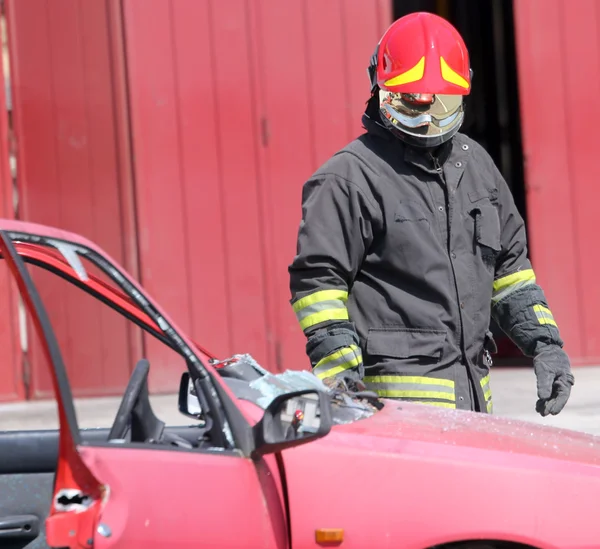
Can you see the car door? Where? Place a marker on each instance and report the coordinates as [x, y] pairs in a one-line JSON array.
[[126, 493], [25, 487]]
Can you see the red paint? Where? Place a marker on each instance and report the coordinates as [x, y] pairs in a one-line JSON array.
[[363, 29], [52, 258], [56, 261], [235, 146], [581, 57], [71, 471], [557, 162], [328, 85], [396, 470], [11, 368], [379, 479], [195, 140], [129, 110], [427, 39], [230, 513], [68, 170]]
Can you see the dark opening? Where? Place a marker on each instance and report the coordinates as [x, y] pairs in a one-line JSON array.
[[492, 116]]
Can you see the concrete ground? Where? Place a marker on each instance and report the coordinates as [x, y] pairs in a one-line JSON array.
[[514, 391]]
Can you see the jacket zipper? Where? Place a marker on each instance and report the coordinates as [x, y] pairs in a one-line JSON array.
[[440, 172]]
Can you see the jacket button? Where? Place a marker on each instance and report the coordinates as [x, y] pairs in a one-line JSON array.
[[462, 305], [453, 255], [465, 147], [441, 208], [458, 164]]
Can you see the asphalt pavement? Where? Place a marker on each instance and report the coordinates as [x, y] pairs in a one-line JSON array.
[[514, 392]]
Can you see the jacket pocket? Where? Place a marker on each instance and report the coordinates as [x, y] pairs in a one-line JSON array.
[[487, 227], [410, 211], [405, 343]]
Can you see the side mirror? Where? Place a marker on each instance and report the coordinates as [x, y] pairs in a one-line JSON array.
[[292, 419], [188, 403]]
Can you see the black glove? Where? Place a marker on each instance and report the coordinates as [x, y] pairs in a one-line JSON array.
[[554, 379]]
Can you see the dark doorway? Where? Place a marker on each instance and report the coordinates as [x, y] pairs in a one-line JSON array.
[[492, 117]]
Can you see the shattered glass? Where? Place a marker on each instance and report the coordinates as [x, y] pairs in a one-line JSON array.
[[345, 408]]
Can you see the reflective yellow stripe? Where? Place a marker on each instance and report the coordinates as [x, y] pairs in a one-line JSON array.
[[509, 280], [544, 315], [317, 297], [487, 390], [323, 316], [320, 307], [450, 75], [490, 407], [440, 404], [409, 379], [392, 386], [398, 393], [508, 284], [411, 75], [335, 363]]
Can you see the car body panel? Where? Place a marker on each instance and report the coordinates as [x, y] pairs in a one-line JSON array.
[[166, 498], [409, 476], [395, 481]]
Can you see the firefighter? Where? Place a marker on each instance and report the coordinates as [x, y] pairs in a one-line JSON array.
[[410, 240]]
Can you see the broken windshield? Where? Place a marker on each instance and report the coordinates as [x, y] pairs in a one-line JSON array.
[[267, 386]]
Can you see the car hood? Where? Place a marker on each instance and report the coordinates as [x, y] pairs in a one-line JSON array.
[[417, 422]]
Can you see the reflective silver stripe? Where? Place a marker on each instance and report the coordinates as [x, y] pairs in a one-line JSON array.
[[411, 387], [319, 307], [341, 360]]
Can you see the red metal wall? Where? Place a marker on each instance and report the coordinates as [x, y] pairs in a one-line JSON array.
[[11, 373], [233, 104], [66, 85], [179, 133], [192, 154], [558, 57]]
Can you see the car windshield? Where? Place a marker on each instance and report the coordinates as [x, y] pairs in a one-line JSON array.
[[266, 386]]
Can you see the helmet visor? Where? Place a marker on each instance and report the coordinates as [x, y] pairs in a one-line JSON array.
[[421, 115]]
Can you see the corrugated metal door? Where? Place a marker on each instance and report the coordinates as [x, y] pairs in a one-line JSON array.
[[12, 386], [311, 95], [234, 104], [558, 56], [195, 141], [70, 174]]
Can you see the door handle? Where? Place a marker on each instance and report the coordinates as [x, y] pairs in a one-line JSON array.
[[19, 527]]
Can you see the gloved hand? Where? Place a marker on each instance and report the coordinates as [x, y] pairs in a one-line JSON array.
[[348, 381], [554, 379], [351, 384]]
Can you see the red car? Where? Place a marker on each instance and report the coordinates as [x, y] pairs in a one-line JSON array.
[[272, 461]]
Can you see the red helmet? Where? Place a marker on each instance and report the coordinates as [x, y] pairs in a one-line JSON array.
[[420, 71]]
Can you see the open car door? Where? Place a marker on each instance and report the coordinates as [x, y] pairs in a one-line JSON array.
[[143, 488]]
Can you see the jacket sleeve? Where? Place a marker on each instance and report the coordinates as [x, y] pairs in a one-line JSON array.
[[334, 235], [519, 305]]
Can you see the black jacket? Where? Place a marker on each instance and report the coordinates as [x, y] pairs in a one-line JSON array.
[[402, 257]]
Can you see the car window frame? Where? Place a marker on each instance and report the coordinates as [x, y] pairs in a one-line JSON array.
[[235, 424]]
